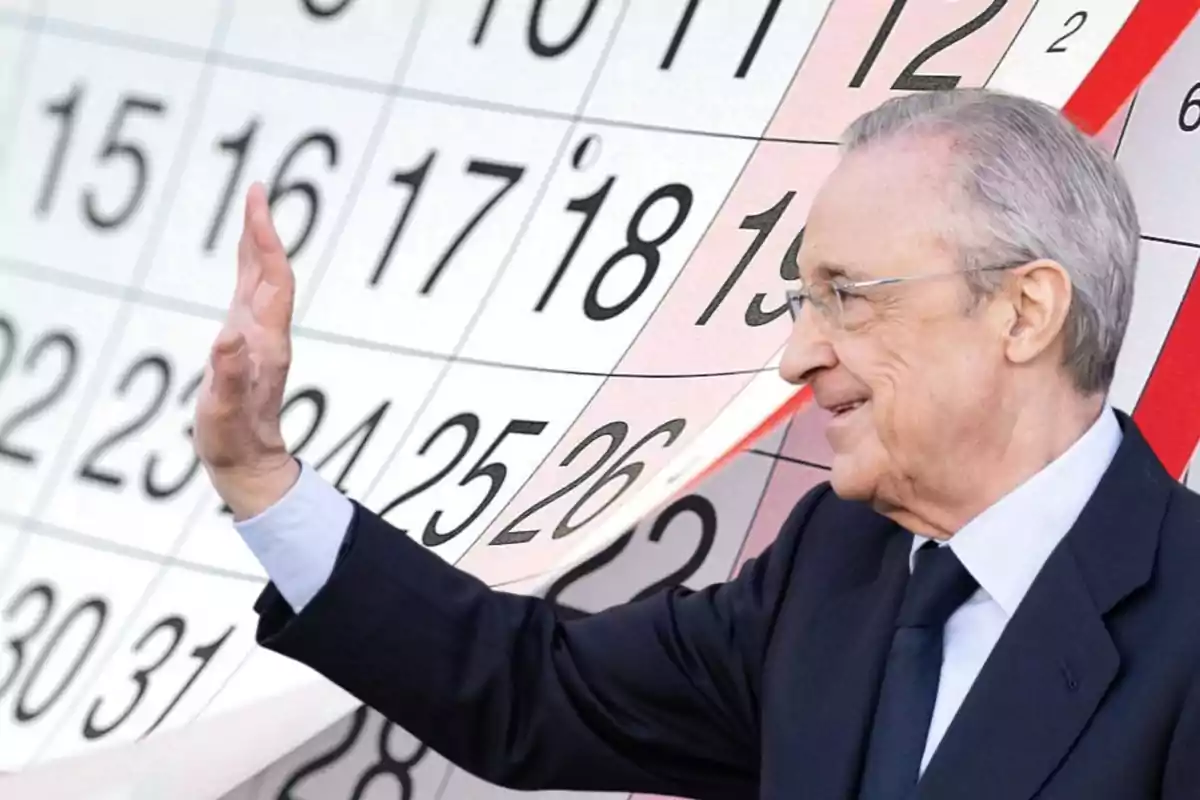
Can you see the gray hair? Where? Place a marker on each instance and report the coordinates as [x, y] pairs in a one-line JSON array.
[[1035, 188]]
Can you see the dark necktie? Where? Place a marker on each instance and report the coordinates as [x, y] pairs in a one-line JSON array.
[[939, 584]]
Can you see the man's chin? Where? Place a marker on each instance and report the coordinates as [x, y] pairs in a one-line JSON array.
[[850, 482]]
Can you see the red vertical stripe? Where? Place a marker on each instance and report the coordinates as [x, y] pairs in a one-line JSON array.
[[1168, 412], [1164, 412], [1149, 31]]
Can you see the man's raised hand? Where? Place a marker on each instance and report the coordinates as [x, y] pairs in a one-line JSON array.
[[237, 429]]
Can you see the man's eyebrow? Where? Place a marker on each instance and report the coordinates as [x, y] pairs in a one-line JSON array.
[[832, 269]]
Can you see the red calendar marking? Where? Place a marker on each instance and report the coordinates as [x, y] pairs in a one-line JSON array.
[[626, 434], [726, 311], [1152, 27], [871, 50], [1167, 413], [800, 400]]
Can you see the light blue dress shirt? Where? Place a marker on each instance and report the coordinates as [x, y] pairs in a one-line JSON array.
[[297, 542]]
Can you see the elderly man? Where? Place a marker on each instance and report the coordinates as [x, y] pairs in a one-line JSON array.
[[996, 596]]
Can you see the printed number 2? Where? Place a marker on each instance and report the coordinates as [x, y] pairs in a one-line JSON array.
[[1079, 17]]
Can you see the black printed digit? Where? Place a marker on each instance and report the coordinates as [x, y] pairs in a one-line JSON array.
[[615, 432], [280, 188], [495, 472], [706, 512], [64, 110], [1191, 103], [158, 370], [238, 145], [695, 504], [764, 223], [8, 332], [43, 594], [358, 722], [743, 67], [789, 271], [469, 423], [173, 628], [628, 473], [153, 488], [60, 341], [1078, 18], [908, 79], [507, 175], [203, 654], [359, 437], [118, 149], [92, 611], [534, 36], [388, 765], [324, 10], [122, 148], [589, 206], [646, 250], [414, 179], [589, 566]]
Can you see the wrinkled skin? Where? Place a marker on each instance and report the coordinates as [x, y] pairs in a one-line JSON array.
[[964, 397]]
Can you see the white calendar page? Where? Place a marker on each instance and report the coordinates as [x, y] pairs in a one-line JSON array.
[[541, 248]]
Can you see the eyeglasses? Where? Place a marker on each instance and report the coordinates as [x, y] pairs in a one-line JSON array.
[[843, 303]]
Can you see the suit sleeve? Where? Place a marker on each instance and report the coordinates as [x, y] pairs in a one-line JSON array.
[[659, 695]]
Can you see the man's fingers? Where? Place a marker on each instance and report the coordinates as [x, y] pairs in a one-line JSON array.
[[249, 267], [273, 295], [230, 366]]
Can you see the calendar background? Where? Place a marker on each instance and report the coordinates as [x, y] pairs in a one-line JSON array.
[[540, 250]]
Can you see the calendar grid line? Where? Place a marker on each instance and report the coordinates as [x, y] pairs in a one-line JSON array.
[[177, 50], [142, 297], [792, 459], [61, 533], [30, 39], [502, 268], [33, 524], [1168, 240], [1008, 48], [775, 457], [269, 84], [784, 94], [143, 263], [19, 19], [1125, 125], [320, 269]]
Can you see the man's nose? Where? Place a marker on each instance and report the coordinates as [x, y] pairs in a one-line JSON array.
[[808, 348]]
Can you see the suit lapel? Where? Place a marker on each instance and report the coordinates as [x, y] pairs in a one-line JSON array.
[[1053, 665], [1036, 692], [837, 674]]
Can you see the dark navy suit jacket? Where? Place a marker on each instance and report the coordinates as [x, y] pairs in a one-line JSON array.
[[764, 686]]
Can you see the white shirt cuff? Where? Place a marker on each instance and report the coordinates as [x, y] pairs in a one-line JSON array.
[[297, 539]]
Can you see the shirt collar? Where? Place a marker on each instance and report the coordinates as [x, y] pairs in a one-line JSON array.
[[1006, 546]]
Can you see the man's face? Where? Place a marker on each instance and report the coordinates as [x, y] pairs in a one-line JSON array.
[[913, 375]]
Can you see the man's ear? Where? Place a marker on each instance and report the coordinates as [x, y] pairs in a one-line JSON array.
[[1040, 294]]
